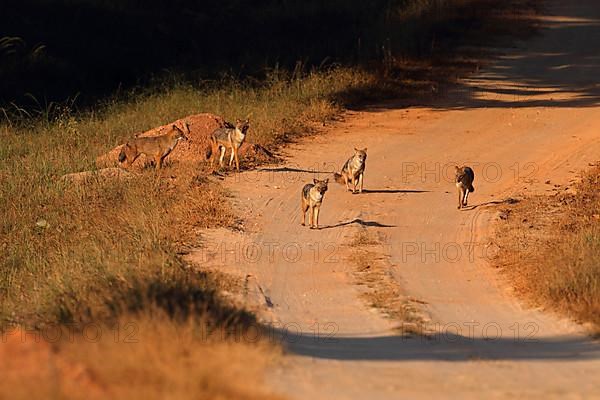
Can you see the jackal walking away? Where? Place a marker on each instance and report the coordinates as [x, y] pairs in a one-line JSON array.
[[156, 148], [464, 183], [312, 198], [228, 137], [353, 170]]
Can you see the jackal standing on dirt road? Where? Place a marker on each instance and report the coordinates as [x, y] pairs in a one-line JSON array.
[[312, 198], [464, 183], [228, 137], [353, 170], [156, 148]]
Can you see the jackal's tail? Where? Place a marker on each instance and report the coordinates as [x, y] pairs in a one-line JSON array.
[[338, 178], [211, 148], [122, 155]]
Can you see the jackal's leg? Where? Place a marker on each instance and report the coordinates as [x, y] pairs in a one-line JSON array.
[[466, 197], [222, 156], [162, 158], [304, 209], [232, 155], [213, 154], [132, 160], [353, 183], [346, 180], [158, 162], [237, 160], [360, 183], [460, 196], [316, 210], [310, 215]]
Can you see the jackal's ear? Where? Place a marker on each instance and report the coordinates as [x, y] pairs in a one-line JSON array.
[[315, 181], [365, 149], [326, 181], [456, 168]]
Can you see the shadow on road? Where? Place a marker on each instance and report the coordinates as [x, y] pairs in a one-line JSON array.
[[367, 191], [510, 200], [552, 75], [359, 222], [444, 347], [292, 169]]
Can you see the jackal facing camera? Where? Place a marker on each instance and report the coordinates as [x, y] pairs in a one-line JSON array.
[[228, 137], [353, 171], [312, 198], [464, 183]]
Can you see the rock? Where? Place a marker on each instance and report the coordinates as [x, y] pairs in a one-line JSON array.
[[193, 151], [42, 223], [84, 177], [200, 127]]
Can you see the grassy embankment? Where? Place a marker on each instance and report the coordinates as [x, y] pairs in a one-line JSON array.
[[550, 249]]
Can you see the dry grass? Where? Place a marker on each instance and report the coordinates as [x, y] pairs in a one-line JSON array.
[[68, 250], [75, 254], [373, 271], [550, 249], [65, 246], [148, 356], [94, 253]]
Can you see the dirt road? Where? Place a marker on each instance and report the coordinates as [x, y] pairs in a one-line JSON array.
[[530, 117]]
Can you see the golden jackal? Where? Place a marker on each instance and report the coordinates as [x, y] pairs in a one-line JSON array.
[[155, 148], [353, 170], [228, 137], [464, 183], [312, 197]]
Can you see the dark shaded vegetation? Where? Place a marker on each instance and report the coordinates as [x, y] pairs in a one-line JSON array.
[[58, 50]]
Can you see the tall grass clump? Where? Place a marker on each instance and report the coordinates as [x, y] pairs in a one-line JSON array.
[[550, 247], [144, 356]]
